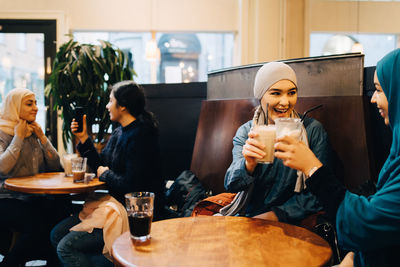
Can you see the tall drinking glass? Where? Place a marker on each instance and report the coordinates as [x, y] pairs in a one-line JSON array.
[[140, 207], [78, 169], [67, 163], [266, 136], [288, 127]]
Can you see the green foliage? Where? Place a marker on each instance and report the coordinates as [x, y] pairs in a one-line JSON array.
[[81, 76]]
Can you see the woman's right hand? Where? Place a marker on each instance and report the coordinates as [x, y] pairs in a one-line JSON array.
[[296, 155], [252, 151], [21, 129], [82, 136]]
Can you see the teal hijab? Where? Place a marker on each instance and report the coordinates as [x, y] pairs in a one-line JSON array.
[[388, 72], [370, 226]]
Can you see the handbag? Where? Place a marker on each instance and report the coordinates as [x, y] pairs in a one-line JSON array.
[[211, 205], [325, 229]]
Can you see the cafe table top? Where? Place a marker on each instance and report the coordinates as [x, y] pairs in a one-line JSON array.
[[50, 183], [223, 241]]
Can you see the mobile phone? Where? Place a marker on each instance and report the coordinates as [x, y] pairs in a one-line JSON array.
[[79, 112]]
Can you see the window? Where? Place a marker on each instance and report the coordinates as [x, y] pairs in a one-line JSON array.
[[20, 40], [374, 46], [184, 57]]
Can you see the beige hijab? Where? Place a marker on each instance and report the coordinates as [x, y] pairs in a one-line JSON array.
[[10, 110]]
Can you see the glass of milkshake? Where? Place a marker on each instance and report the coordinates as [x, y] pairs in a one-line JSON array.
[[266, 136]]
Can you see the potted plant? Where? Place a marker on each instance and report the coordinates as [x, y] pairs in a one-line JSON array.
[[81, 76]]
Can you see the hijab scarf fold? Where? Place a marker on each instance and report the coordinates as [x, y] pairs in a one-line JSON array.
[[10, 110], [388, 73]]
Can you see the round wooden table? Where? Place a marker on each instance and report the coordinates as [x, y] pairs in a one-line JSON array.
[[223, 241], [50, 183]]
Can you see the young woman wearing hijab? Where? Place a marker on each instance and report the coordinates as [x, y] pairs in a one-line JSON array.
[[368, 226], [278, 193], [24, 151], [130, 162]]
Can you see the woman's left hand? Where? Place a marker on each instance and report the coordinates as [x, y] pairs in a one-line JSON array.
[[295, 154], [100, 170], [38, 132]]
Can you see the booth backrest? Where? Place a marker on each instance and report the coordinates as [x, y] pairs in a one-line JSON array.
[[218, 123], [347, 121], [343, 118]]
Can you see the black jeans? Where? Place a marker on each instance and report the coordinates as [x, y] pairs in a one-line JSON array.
[[33, 220]]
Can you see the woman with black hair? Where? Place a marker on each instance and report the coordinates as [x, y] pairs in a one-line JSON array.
[[129, 162]]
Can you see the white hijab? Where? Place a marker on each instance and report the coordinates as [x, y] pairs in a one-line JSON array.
[[10, 110]]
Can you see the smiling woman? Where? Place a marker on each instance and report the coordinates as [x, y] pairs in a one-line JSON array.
[[24, 151], [278, 193], [365, 225], [281, 99], [379, 98], [29, 109]]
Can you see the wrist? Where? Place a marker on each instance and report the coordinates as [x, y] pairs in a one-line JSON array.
[[311, 170], [250, 166]]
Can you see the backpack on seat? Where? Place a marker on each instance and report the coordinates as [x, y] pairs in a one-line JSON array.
[[184, 194]]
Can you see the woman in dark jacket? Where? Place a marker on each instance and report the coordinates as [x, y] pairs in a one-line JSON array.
[[367, 226], [129, 162]]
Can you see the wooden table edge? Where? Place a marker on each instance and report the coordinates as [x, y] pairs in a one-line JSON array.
[[49, 191], [53, 191]]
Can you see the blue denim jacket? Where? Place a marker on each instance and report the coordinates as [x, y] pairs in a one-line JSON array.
[[275, 183]]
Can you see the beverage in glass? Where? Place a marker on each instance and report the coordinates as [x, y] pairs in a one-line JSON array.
[[67, 164], [288, 127], [78, 169], [140, 207], [266, 136]]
